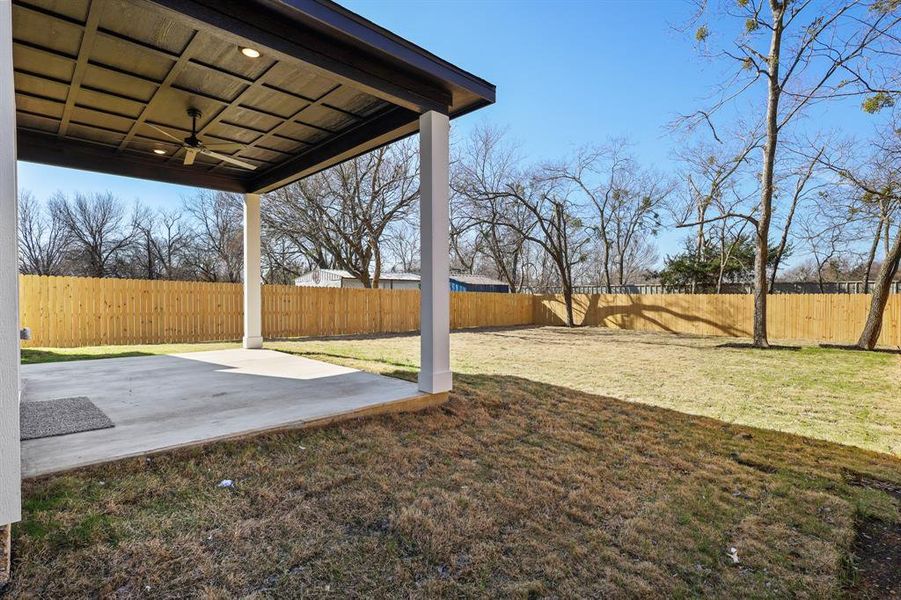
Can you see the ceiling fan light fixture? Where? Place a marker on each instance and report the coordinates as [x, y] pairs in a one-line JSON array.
[[193, 146], [250, 52]]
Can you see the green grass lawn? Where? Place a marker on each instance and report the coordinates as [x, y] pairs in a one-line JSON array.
[[45, 355], [584, 463], [837, 395]]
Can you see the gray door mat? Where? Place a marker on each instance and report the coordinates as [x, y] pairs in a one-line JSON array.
[[47, 418]]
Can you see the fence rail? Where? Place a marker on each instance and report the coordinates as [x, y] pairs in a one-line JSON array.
[[74, 311]]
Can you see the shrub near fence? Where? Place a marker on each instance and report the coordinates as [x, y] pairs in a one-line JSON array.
[[77, 311], [832, 318]]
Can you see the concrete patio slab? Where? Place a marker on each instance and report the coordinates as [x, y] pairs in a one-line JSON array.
[[164, 402]]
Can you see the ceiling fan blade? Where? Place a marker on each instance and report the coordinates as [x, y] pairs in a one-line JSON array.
[[228, 159], [190, 155], [224, 147], [164, 132]]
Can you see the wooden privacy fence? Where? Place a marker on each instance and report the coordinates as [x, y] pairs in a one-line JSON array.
[[77, 311], [834, 318], [291, 311], [80, 311]]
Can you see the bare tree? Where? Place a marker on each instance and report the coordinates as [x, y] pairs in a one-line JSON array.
[[291, 247], [43, 240], [714, 199], [803, 53], [799, 182], [509, 209], [403, 247], [883, 224], [824, 237], [627, 200], [282, 262], [344, 213], [464, 243], [555, 224], [217, 249], [98, 227], [171, 240], [730, 235], [142, 262], [877, 181], [483, 224], [504, 230]]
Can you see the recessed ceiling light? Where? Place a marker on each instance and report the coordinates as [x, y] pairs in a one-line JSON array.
[[159, 151], [250, 52]]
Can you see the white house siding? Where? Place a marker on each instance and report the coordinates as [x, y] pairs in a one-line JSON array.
[[325, 279], [385, 284], [343, 279]]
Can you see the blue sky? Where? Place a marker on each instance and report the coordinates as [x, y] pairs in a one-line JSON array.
[[568, 73]]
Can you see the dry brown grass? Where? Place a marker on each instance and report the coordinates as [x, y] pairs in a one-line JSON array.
[[831, 394], [515, 487]]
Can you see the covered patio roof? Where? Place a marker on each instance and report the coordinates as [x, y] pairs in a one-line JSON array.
[[105, 85], [242, 96]]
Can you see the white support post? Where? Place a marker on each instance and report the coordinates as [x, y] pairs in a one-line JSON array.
[[434, 309], [10, 469], [253, 305]]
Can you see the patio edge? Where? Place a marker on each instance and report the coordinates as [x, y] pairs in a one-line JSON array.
[[414, 403]]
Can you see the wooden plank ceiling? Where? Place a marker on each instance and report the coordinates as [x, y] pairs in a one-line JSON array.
[[91, 77]]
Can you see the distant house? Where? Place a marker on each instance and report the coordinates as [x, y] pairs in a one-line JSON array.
[[477, 283], [398, 281], [343, 279]]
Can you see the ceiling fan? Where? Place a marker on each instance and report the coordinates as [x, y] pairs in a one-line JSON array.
[[193, 146]]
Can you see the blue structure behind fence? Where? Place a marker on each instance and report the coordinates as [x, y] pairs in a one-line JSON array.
[[458, 285]]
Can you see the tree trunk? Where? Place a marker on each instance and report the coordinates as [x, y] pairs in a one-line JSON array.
[[699, 247], [783, 243], [888, 233], [870, 258], [881, 289], [621, 258], [568, 301], [766, 181], [377, 275], [149, 249], [607, 278], [364, 278], [699, 243]]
